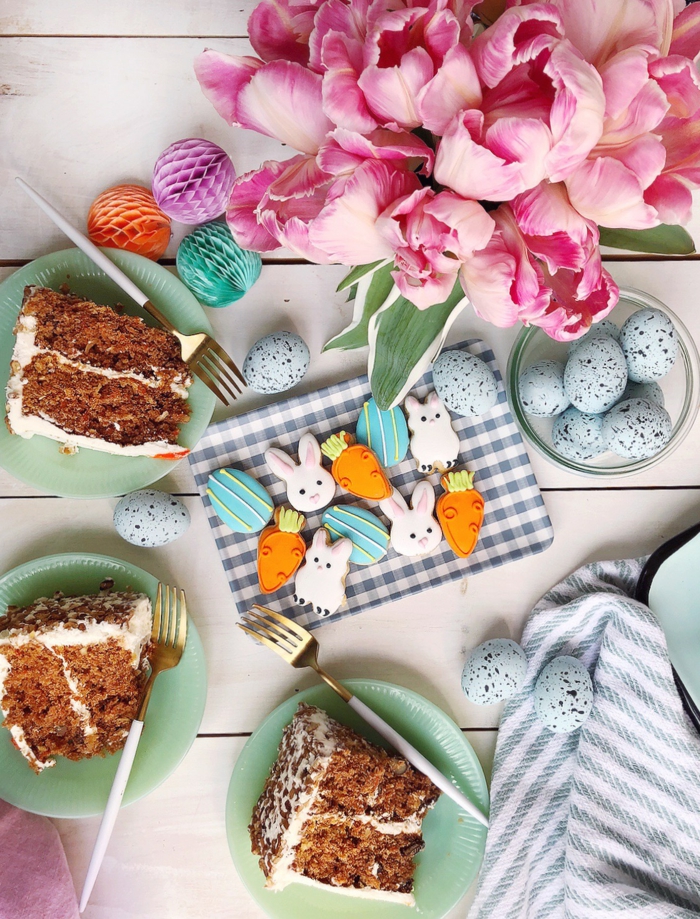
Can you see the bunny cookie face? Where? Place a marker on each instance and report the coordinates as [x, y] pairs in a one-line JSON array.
[[434, 442], [310, 487], [414, 531], [321, 579]]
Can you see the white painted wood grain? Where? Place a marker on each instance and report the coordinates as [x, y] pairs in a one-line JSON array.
[[420, 641], [168, 857]]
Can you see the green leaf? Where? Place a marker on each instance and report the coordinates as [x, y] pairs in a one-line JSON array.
[[372, 292], [358, 272], [662, 240], [404, 340]]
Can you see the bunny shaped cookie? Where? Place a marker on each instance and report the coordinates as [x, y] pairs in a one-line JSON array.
[[434, 442], [310, 487], [414, 530], [321, 579]]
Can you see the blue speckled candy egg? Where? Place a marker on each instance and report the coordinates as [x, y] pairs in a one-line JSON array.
[[465, 383], [367, 533], [239, 500], [276, 363], [650, 391], [150, 518], [578, 435], [596, 375], [563, 695], [649, 343], [604, 328], [386, 433], [494, 671], [541, 389], [637, 429]]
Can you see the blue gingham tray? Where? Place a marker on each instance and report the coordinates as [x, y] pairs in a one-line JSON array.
[[515, 522]]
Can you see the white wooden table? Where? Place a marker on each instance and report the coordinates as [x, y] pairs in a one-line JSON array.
[[90, 94]]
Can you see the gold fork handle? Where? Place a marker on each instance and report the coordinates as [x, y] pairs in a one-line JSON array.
[[146, 697], [333, 683], [158, 316]]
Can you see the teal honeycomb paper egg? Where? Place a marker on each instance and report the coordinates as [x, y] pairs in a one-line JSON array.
[[214, 267]]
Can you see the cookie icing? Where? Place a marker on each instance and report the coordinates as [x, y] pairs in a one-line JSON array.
[[434, 442], [385, 433], [369, 536], [356, 468], [460, 511], [320, 581], [239, 500], [281, 549], [415, 532], [310, 487]]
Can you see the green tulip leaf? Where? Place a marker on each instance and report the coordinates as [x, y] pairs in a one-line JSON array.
[[372, 292], [661, 240], [403, 341], [352, 277]]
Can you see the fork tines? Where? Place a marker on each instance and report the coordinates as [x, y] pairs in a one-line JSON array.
[[213, 366], [169, 616], [274, 630]]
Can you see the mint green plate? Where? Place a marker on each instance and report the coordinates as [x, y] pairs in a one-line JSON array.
[[80, 789], [88, 473], [454, 843]]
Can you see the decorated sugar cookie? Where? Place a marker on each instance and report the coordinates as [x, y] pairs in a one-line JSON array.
[[460, 512], [414, 531], [434, 442], [385, 433], [369, 536], [321, 579], [239, 500], [356, 468], [281, 550], [310, 487]]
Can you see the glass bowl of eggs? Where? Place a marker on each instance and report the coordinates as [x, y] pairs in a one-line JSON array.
[[614, 402]]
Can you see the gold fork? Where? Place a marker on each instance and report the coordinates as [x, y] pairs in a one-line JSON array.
[[299, 648], [203, 355], [169, 633]]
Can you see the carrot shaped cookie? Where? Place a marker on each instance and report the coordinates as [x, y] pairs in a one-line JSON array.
[[460, 512], [281, 550], [356, 468]]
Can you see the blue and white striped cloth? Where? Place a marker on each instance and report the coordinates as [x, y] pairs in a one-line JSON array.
[[515, 523], [603, 822]]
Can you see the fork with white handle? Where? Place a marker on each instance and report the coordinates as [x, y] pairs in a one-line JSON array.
[[299, 648], [169, 632], [203, 355]]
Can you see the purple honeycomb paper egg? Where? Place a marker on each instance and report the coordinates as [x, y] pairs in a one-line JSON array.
[[192, 180]]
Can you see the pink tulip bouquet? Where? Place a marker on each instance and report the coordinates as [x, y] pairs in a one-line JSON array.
[[452, 164]]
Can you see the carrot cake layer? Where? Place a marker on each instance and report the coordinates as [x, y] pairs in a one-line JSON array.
[[87, 376], [71, 673], [338, 812]]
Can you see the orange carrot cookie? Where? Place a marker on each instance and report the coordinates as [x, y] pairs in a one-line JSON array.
[[356, 468], [281, 550], [460, 512]]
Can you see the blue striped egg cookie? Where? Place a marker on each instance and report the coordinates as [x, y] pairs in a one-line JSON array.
[[240, 501], [369, 536], [385, 433]]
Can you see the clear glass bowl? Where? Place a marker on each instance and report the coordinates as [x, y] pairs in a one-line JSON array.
[[681, 389]]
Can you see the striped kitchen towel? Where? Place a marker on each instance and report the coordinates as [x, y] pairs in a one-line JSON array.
[[604, 821]]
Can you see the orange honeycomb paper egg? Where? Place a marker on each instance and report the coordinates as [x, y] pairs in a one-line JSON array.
[[127, 217]]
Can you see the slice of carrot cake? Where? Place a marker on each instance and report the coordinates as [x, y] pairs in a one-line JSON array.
[[338, 812], [71, 673], [86, 376]]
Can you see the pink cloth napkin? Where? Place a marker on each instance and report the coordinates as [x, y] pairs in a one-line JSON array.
[[35, 882]]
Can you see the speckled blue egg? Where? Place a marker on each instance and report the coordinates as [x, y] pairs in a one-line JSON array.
[[596, 375], [578, 435], [150, 518], [563, 695], [649, 343], [604, 328], [650, 391], [494, 671], [637, 429], [276, 363], [465, 383], [541, 389]]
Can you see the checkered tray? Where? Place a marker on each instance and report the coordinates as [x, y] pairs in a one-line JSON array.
[[515, 522]]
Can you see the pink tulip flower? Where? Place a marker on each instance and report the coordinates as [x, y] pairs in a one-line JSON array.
[[279, 30]]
